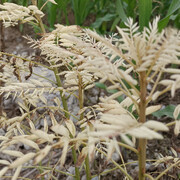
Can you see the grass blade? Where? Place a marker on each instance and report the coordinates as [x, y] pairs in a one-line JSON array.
[[131, 8], [145, 9], [81, 10], [120, 10], [175, 5], [63, 6], [52, 12], [101, 20]]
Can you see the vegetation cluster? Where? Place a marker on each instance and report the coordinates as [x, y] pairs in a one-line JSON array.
[[129, 63]]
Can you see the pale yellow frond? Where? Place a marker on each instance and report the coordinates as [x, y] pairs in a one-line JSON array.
[[17, 172], [176, 112], [13, 153], [23, 159], [152, 109], [177, 127], [61, 130], [3, 171], [42, 154], [156, 125], [43, 135]]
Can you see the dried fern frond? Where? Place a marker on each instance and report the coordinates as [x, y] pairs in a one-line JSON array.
[[170, 162], [72, 79], [88, 57], [104, 58], [112, 125], [177, 121], [60, 49], [113, 120], [33, 140], [12, 13], [148, 51]]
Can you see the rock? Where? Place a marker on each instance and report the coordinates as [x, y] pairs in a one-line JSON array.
[[83, 177], [71, 170], [95, 178], [115, 156], [2, 132]]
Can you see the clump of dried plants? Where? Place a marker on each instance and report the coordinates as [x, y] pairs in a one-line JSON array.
[[129, 62]]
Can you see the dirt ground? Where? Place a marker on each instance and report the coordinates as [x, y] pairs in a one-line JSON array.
[[15, 43]]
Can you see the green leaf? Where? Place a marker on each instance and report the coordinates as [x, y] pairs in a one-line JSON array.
[[25, 3], [112, 91], [52, 8], [167, 111], [120, 98], [101, 85], [114, 24], [99, 21], [63, 6], [120, 11], [175, 5], [145, 9], [40, 3], [163, 23], [81, 10], [126, 84], [130, 8]]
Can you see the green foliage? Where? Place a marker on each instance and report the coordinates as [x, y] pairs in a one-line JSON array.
[[52, 16], [111, 91], [101, 85], [174, 6], [145, 9], [81, 10], [105, 15], [120, 11], [167, 111], [62, 11], [99, 21]]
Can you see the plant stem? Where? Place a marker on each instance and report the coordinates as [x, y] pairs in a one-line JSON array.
[[81, 96], [75, 161], [1, 68], [128, 147], [88, 172], [2, 36], [34, 2], [142, 119], [117, 165], [59, 84], [24, 59], [65, 106], [81, 105], [55, 69], [166, 170]]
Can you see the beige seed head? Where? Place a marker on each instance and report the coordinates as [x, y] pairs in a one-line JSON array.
[[22, 160]]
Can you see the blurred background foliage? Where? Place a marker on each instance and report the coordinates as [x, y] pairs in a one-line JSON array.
[[105, 15]]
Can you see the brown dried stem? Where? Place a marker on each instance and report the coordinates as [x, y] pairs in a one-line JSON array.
[[142, 119], [81, 105]]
